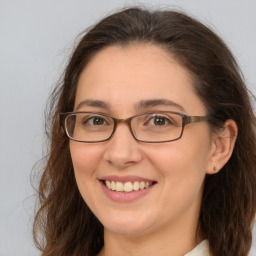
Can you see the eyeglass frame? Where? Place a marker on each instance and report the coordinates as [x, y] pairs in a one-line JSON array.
[[186, 119]]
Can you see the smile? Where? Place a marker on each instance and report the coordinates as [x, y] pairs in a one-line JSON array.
[[128, 186], [126, 189]]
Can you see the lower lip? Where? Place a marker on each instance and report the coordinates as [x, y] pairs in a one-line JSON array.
[[125, 196]]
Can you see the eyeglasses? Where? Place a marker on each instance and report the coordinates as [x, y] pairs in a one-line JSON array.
[[153, 127]]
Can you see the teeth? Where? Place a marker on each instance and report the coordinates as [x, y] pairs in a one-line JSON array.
[[119, 186], [113, 185], [108, 184], [142, 185], [127, 186], [136, 185]]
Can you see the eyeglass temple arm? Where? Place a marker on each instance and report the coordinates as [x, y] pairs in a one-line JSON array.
[[195, 119]]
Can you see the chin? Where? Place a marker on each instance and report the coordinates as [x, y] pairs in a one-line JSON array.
[[126, 224], [128, 230]]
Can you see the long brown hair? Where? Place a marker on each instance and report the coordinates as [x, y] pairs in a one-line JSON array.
[[64, 225]]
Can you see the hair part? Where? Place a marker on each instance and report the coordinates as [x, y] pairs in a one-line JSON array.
[[229, 199]]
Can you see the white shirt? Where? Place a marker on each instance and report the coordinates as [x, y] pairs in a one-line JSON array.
[[201, 249]]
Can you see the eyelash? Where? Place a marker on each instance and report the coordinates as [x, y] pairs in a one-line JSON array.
[[92, 118], [153, 118]]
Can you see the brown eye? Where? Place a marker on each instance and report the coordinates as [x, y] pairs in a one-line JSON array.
[[98, 121], [95, 120], [160, 120]]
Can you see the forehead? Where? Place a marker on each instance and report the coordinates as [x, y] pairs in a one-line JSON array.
[[123, 76]]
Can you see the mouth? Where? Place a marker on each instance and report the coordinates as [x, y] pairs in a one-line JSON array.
[[128, 186]]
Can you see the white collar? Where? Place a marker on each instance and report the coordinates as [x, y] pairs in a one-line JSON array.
[[202, 249]]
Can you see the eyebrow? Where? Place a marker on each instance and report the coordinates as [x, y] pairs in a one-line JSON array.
[[158, 102], [93, 103], [144, 104]]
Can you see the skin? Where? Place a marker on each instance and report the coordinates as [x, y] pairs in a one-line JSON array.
[[164, 221]]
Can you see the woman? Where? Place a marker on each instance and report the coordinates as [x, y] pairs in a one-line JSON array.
[[152, 144]]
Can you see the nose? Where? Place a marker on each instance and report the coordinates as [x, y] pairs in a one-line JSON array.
[[122, 149]]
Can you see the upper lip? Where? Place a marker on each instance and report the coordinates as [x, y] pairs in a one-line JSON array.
[[125, 178]]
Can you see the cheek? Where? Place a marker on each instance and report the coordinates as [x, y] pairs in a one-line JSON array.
[[180, 158], [182, 171], [194, 149], [85, 157], [182, 165]]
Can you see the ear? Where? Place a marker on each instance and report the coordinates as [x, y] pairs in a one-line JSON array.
[[223, 143]]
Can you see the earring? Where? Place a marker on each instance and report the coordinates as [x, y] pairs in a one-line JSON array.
[[214, 169]]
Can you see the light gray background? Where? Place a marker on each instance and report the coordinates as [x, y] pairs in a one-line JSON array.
[[35, 40]]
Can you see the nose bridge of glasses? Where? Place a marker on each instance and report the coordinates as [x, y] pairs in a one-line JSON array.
[[126, 121]]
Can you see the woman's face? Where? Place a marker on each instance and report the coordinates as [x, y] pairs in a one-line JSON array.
[[116, 81]]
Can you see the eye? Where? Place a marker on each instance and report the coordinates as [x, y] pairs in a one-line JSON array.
[[159, 120], [94, 120]]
